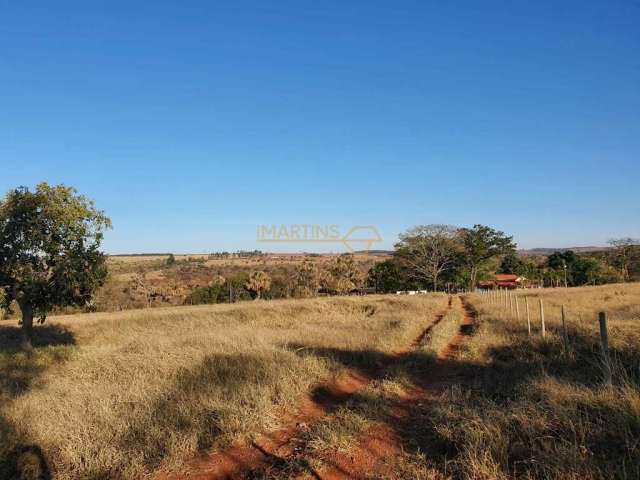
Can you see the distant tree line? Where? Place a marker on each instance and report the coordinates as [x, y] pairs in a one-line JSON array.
[[308, 279], [238, 254], [441, 257], [438, 257], [619, 263], [435, 258]]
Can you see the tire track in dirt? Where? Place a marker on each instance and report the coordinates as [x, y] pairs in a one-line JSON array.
[[371, 458], [243, 460]]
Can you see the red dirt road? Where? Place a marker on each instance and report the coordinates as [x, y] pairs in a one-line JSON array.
[[373, 455], [241, 460]]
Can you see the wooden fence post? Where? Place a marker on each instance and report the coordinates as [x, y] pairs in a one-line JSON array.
[[517, 310], [543, 331], [526, 302], [604, 345], [565, 335], [510, 303]]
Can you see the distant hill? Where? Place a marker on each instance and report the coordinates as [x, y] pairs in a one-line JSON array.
[[549, 251], [379, 253]]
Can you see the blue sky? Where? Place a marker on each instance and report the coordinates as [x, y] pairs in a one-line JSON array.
[[191, 123]]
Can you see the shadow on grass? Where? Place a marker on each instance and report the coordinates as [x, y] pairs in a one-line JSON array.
[[500, 385], [20, 372], [195, 409], [43, 336]]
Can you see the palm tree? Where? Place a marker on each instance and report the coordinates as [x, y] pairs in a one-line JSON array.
[[258, 282]]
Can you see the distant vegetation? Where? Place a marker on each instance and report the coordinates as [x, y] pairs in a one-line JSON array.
[[427, 257], [448, 257]]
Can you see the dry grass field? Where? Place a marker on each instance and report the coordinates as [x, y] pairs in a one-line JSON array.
[[504, 405], [123, 395], [512, 406], [538, 410], [119, 395]]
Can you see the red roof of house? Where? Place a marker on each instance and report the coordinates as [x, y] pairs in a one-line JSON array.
[[506, 277]]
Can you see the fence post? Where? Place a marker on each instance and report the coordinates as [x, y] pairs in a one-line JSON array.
[[517, 310], [543, 331], [604, 344], [526, 302], [510, 304], [565, 335]]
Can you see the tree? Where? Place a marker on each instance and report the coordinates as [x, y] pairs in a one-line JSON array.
[[217, 281], [586, 270], [625, 252], [481, 244], [49, 251], [171, 259], [343, 276], [563, 263], [428, 250], [258, 282], [138, 287], [386, 276], [511, 263], [307, 278]]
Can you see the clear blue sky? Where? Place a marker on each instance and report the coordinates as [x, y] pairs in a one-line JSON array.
[[192, 122]]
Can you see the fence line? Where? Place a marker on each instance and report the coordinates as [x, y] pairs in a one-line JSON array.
[[508, 303]]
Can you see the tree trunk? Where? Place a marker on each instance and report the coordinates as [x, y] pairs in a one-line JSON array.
[[27, 326], [474, 274], [435, 282]]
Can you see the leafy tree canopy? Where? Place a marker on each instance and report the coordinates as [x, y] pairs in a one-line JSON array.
[[49, 250], [482, 243]]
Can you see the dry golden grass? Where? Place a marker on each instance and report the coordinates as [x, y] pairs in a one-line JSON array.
[[354, 421], [538, 410], [515, 406], [117, 395]]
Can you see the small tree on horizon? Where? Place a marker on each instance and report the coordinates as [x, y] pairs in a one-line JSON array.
[[49, 251], [307, 278], [258, 282], [625, 252], [343, 275]]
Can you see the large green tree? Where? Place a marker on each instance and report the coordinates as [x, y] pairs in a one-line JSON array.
[[387, 276], [512, 263], [481, 244], [49, 251]]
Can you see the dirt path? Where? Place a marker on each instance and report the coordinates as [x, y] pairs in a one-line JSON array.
[[246, 460], [373, 456]]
